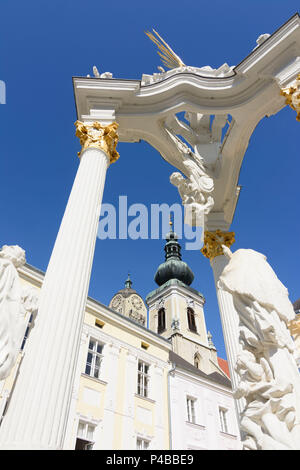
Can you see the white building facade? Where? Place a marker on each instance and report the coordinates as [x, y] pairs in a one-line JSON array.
[[130, 390], [202, 409]]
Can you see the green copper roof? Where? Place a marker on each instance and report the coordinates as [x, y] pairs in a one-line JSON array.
[[128, 282], [173, 267]]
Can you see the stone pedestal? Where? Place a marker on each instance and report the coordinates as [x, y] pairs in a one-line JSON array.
[[37, 414]]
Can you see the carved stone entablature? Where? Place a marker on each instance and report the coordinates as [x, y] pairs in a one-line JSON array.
[[223, 71]]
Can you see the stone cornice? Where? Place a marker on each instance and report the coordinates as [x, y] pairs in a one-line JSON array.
[[108, 339], [36, 277], [98, 309]]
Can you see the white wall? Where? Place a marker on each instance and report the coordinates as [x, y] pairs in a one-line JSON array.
[[206, 433]]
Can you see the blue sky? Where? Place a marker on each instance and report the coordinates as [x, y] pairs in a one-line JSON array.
[[44, 44]]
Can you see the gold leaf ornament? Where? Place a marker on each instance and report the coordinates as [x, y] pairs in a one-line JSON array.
[[168, 57], [98, 136]]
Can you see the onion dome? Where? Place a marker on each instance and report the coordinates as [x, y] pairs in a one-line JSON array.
[[173, 267]]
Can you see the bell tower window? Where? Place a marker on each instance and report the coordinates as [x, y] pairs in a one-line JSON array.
[[161, 320], [191, 320]]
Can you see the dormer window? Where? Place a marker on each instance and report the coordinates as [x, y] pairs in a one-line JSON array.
[[191, 320]]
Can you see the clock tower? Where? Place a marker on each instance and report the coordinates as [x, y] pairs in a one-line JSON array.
[[129, 303], [176, 310]]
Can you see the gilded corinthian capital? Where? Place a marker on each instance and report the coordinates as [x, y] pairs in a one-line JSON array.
[[292, 95], [213, 242], [98, 136]]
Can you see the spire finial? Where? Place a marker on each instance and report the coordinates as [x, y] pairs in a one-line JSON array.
[[209, 337], [128, 282]]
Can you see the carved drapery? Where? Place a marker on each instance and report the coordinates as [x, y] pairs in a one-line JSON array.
[[269, 380]]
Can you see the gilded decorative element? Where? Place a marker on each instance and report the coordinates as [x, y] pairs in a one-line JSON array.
[[167, 55], [213, 242], [96, 135], [292, 95], [294, 327]]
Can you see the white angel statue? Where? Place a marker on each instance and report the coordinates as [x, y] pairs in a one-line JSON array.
[[269, 377], [14, 305]]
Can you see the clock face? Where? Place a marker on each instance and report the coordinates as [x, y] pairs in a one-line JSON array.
[[136, 302], [117, 301]]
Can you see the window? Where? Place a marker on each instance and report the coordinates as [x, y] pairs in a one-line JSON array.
[[94, 358], [29, 325], [197, 360], [190, 404], [223, 419], [85, 436], [143, 379], [191, 319], [161, 320], [141, 444]]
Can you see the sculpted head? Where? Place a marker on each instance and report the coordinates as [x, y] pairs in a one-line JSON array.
[[13, 253], [176, 178]]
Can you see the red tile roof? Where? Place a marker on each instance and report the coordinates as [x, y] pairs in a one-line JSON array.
[[224, 366]]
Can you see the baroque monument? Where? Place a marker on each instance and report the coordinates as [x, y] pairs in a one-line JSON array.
[[200, 120]]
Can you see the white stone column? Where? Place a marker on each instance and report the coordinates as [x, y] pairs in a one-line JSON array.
[[38, 410], [229, 317]]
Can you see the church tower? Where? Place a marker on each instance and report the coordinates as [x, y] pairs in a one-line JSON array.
[[176, 309]]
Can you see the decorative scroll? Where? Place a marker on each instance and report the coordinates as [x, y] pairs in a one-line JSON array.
[[98, 136]]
